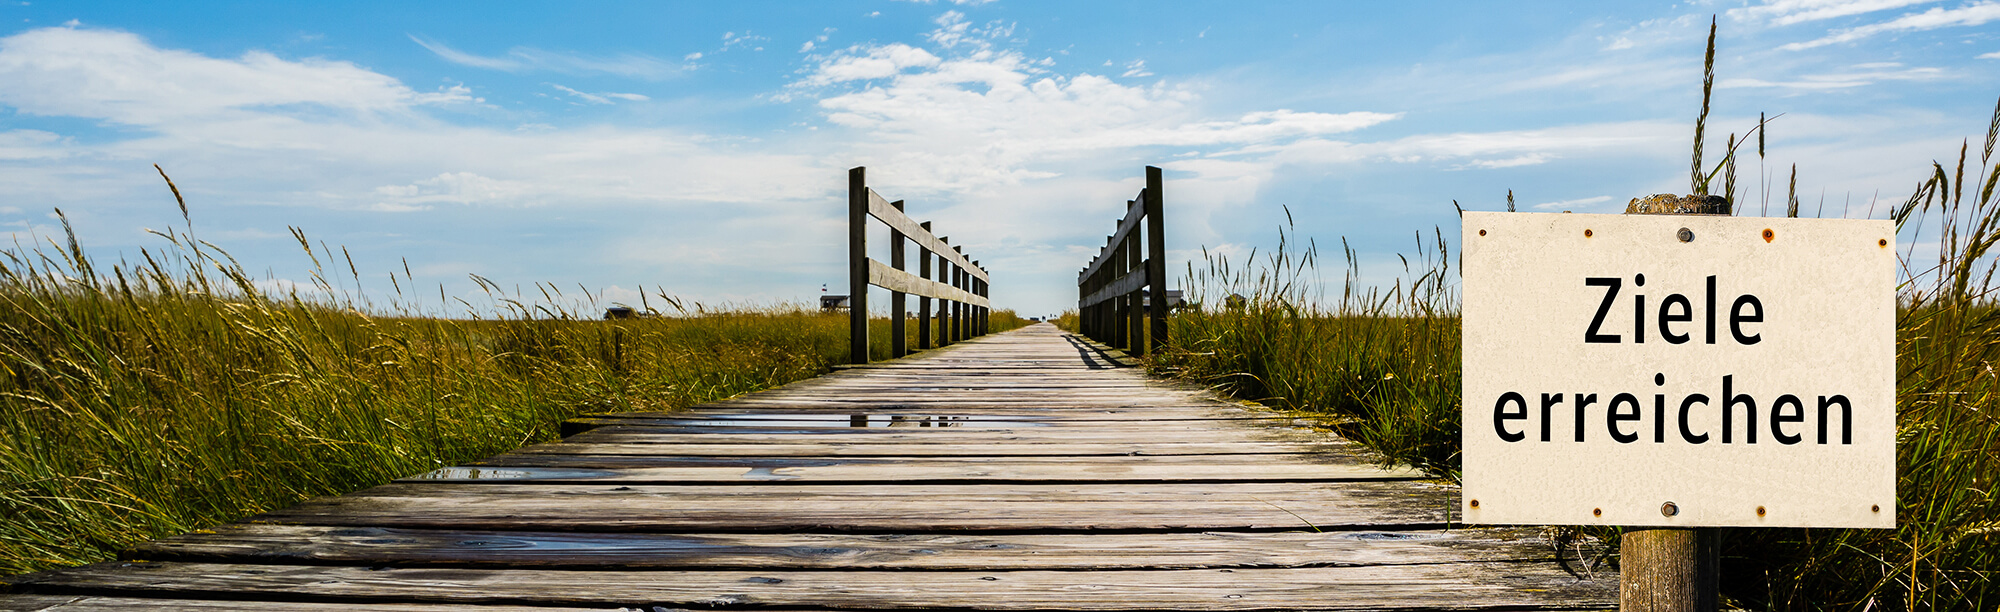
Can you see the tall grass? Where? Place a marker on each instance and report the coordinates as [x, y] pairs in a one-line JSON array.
[[171, 393], [1382, 367], [1945, 552]]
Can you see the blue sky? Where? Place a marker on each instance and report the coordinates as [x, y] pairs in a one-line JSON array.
[[700, 149]]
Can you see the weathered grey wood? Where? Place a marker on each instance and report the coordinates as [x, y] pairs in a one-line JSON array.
[[1156, 254], [1672, 569], [925, 432], [883, 508], [893, 217], [1372, 587], [912, 450], [881, 275], [924, 302], [838, 419], [275, 544], [79, 603], [1253, 463], [1124, 285], [1134, 209], [898, 337], [1669, 569], [935, 472], [1065, 487], [858, 269]]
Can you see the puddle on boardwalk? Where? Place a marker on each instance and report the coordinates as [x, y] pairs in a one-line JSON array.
[[523, 473], [1389, 536], [801, 421], [561, 543]]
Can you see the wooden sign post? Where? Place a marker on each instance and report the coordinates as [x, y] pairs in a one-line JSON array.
[[1676, 373], [1671, 569]]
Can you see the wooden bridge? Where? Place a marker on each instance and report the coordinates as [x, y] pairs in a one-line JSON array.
[[1021, 471]]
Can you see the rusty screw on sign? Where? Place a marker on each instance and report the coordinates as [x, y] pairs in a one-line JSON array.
[[1686, 235], [1669, 509]]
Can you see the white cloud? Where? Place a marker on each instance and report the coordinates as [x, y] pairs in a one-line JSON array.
[[987, 116], [600, 98], [1576, 203], [954, 30], [731, 40], [1857, 75], [1978, 13], [118, 77], [1993, 55], [866, 63], [530, 59], [591, 98], [1136, 69], [1789, 12], [1518, 160]]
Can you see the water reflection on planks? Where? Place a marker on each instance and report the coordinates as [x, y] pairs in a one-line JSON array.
[[1022, 471]]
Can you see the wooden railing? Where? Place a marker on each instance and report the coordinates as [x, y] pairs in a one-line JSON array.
[[959, 284], [1112, 290]]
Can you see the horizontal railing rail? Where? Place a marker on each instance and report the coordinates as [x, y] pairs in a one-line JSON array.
[[959, 285], [1126, 284]]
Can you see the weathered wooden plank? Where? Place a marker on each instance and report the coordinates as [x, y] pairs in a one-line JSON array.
[[78, 603], [879, 208], [1126, 284], [1073, 484], [931, 472], [885, 508], [291, 544], [916, 450], [1433, 587], [831, 419], [1250, 463], [921, 435], [1134, 211], [884, 276]]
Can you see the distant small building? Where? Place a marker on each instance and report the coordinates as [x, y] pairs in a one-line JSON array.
[[620, 312], [833, 303], [1235, 301], [1174, 300]]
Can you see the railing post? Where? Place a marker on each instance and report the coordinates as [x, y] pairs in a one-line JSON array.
[[972, 286], [898, 344], [945, 272], [959, 313], [1119, 267], [857, 265], [1137, 322], [924, 303], [1156, 256]]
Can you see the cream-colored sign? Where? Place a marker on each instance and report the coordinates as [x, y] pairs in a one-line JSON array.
[[1679, 370]]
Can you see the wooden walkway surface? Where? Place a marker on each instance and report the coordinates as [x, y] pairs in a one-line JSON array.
[[1021, 471]]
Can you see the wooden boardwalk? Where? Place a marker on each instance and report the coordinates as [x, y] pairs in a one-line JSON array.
[[1021, 471]]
